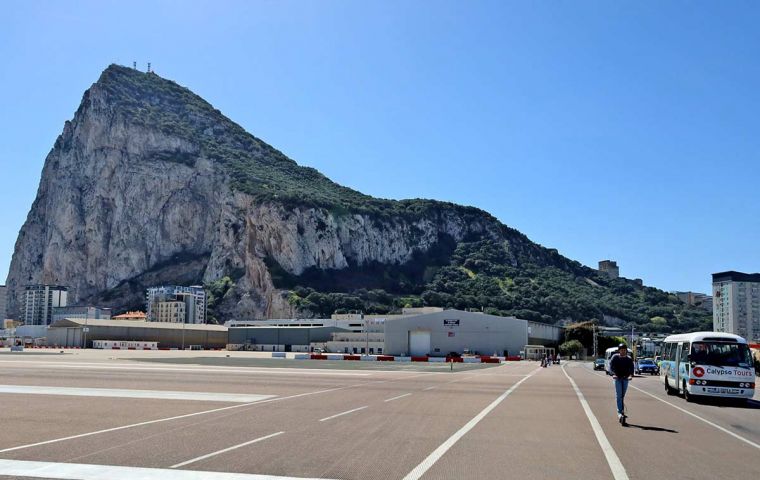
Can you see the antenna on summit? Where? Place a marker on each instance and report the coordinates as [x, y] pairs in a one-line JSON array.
[[134, 65], [148, 67]]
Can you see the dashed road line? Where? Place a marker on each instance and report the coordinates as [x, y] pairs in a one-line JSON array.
[[618, 471], [397, 397], [225, 450], [342, 413]]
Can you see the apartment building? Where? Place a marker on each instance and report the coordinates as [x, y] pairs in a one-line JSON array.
[[736, 304], [39, 302]]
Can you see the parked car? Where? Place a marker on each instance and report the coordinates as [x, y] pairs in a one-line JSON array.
[[599, 364], [647, 365]]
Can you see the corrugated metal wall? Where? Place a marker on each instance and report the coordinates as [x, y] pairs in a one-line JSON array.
[[166, 338]]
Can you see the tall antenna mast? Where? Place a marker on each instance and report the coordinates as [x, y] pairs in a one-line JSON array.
[[148, 67], [134, 65]]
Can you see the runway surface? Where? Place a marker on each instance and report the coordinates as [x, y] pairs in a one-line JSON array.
[[102, 415]]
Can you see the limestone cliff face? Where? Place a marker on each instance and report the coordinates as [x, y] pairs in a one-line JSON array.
[[131, 197]]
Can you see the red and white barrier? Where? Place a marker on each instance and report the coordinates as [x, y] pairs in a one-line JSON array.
[[390, 358]]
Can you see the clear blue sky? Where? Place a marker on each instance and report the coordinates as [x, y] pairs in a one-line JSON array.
[[623, 130]]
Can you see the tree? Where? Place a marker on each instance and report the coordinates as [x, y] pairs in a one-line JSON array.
[[571, 347]]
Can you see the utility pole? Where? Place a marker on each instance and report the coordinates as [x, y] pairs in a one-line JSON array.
[[596, 345], [633, 348]]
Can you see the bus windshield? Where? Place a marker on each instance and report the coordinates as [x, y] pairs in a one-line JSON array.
[[721, 354]]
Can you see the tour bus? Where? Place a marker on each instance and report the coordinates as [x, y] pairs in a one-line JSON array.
[[607, 357], [707, 363]]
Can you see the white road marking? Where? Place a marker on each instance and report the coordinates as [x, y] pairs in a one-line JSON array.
[[428, 462], [79, 471], [712, 424], [343, 413], [218, 452], [429, 388], [618, 471], [199, 369], [160, 420], [129, 393], [396, 398]]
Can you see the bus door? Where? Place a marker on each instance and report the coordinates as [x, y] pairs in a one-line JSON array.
[[679, 357]]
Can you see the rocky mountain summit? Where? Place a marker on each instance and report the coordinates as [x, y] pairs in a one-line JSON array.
[[149, 184]]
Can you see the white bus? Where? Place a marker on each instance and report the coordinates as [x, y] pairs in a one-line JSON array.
[[707, 363]]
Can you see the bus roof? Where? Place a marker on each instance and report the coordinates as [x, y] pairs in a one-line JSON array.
[[702, 336]]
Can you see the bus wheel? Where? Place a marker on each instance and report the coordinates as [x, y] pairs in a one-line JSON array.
[[686, 395], [668, 390]]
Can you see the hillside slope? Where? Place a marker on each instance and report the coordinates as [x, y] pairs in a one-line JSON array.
[[149, 184]]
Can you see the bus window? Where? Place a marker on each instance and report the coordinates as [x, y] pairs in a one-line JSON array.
[[721, 354]]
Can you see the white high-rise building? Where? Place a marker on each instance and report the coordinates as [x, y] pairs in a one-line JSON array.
[[736, 304], [39, 302]]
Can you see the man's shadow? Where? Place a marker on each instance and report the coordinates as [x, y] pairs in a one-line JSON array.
[[648, 428]]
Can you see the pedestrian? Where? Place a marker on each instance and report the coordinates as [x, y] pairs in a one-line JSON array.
[[621, 366]]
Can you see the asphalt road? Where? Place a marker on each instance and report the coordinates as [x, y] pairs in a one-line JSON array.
[[109, 417]]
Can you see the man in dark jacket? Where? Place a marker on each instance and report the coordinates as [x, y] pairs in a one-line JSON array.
[[621, 366]]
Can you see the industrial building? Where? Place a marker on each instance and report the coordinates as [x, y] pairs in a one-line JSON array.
[[78, 332], [441, 333], [91, 313], [436, 334], [355, 333], [280, 339], [433, 334]]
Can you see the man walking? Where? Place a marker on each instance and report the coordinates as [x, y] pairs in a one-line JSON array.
[[621, 366]]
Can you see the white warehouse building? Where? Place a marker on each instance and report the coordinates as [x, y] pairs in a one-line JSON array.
[[438, 334]]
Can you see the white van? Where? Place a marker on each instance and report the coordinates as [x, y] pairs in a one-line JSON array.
[[607, 357]]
